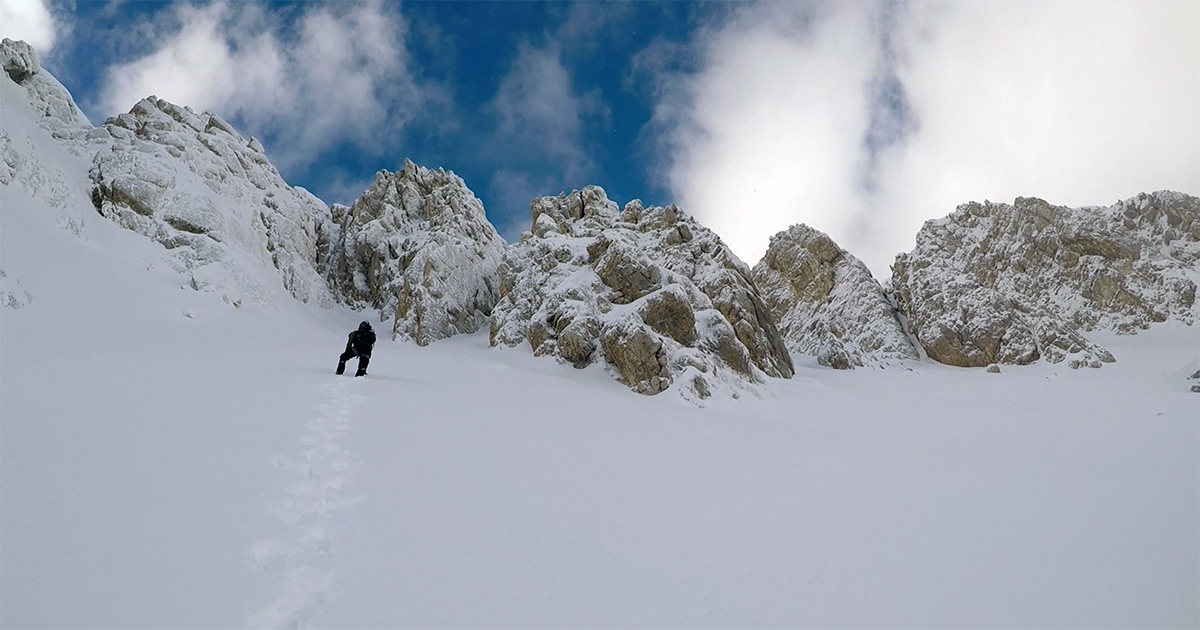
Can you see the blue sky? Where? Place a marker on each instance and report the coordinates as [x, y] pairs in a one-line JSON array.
[[862, 119]]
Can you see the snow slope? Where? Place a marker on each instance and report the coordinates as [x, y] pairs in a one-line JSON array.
[[168, 461], [932, 498]]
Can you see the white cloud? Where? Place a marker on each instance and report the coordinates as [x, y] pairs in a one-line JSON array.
[[28, 20], [1078, 103], [513, 190], [544, 119], [195, 67], [539, 136], [540, 118], [337, 73], [772, 123]]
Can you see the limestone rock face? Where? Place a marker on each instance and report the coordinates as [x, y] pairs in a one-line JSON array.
[[188, 181], [194, 184], [418, 247], [827, 304], [52, 100], [651, 292], [35, 105], [999, 283]]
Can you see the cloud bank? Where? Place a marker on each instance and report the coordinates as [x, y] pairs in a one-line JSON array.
[[864, 120], [28, 20], [330, 74]]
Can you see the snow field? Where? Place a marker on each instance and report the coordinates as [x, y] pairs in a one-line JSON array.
[[874, 498], [136, 419]]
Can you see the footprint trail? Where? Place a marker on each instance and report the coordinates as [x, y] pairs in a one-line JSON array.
[[311, 507]]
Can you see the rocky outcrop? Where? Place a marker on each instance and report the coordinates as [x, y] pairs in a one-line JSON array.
[[188, 181], [12, 294], [826, 303], [649, 291], [46, 94], [999, 283], [418, 247], [34, 105], [194, 184]]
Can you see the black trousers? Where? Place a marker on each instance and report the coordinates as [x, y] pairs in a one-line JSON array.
[[363, 360]]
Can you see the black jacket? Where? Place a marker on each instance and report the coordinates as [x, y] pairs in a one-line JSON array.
[[361, 342]]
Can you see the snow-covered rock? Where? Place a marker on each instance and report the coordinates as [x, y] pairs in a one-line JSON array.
[[826, 303], [188, 181], [36, 105], [21, 66], [650, 291], [193, 183], [418, 247], [999, 283], [12, 294]]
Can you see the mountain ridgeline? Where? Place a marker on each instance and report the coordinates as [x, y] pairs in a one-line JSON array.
[[649, 292]]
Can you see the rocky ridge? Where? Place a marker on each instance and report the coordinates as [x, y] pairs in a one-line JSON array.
[[25, 85], [188, 181], [827, 304], [418, 247], [651, 292], [1000, 283], [193, 183], [21, 65]]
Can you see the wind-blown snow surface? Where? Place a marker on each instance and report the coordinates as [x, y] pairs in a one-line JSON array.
[[167, 460]]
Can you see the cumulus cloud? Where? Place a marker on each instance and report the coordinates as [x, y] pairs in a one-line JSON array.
[[540, 132], [538, 113], [1076, 103], [864, 120], [28, 20], [771, 122], [332, 74]]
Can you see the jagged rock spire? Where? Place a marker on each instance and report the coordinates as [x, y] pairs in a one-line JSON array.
[[827, 304], [418, 247]]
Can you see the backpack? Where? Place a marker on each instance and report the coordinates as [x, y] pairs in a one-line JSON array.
[[361, 340]]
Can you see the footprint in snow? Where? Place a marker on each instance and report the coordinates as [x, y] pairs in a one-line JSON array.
[[310, 507]]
